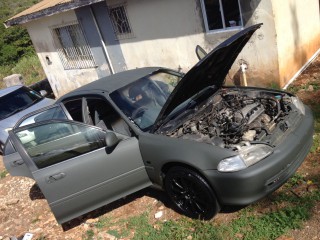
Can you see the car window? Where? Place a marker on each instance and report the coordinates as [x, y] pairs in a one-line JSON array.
[[17, 101], [143, 99], [74, 108], [51, 143], [49, 114], [97, 112]]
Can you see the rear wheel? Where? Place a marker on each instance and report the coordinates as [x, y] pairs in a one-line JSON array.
[[191, 194]]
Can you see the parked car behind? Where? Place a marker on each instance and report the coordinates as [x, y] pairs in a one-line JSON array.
[[205, 144], [15, 102]]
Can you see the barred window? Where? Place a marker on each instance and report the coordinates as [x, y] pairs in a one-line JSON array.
[[120, 22], [72, 47]]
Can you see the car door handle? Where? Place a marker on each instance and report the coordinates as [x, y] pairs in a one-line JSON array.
[[55, 177], [17, 163]]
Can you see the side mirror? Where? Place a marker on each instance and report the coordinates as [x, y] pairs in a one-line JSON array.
[[111, 141], [43, 93], [201, 53]]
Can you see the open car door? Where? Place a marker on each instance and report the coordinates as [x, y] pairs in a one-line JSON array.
[[75, 169]]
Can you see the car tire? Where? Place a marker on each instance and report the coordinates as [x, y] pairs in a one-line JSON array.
[[190, 193]]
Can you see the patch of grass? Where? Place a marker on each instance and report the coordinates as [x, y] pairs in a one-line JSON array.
[[295, 180], [89, 235], [3, 174], [289, 213], [115, 233], [103, 222], [30, 69], [275, 85]]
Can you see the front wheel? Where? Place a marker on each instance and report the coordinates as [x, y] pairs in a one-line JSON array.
[[190, 193]]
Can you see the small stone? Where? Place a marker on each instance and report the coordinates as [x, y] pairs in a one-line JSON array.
[[310, 88], [12, 201], [312, 188], [3, 208], [158, 215], [107, 236], [85, 226], [92, 220]]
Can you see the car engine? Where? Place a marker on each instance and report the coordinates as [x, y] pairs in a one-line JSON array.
[[236, 118]]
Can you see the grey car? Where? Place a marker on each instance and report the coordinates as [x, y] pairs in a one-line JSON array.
[[17, 101], [205, 144]]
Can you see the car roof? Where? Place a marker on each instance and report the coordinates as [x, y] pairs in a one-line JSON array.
[[115, 81], [8, 90]]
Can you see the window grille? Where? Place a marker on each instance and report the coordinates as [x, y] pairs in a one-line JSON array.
[[73, 48], [120, 22], [221, 14]]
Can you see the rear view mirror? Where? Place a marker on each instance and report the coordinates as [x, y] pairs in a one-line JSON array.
[[43, 93], [201, 53]]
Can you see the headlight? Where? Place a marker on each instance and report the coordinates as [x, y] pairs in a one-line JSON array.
[[248, 156], [231, 164], [298, 104]]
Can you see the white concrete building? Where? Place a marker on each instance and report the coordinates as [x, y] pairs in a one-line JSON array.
[[80, 41]]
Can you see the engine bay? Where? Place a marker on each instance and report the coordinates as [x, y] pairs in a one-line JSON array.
[[236, 119]]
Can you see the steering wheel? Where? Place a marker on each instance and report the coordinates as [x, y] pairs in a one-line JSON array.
[[138, 112]]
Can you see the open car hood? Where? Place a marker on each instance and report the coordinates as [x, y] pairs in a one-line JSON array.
[[209, 71]]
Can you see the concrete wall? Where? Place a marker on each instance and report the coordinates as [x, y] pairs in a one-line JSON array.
[[61, 81], [166, 33], [297, 25], [260, 54]]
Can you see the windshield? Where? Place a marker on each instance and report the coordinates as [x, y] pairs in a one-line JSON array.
[[142, 100], [17, 101]]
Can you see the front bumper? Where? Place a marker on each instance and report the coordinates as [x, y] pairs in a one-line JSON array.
[[249, 185]]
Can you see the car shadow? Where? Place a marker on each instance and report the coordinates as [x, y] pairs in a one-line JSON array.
[[36, 193], [151, 192]]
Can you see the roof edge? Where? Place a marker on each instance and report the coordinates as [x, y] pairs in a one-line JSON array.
[[64, 7]]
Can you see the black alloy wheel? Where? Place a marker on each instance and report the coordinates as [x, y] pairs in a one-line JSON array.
[[191, 194]]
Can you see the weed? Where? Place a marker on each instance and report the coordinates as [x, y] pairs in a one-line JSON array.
[[30, 68], [275, 86], [3, 174], [295, 180], [103, 222], [89, 235], [115, 233]]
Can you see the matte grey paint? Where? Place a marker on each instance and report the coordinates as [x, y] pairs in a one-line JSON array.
[[74, 197], [255, 182], [158, 150], [211, 70], [106, 177], [16, 166]]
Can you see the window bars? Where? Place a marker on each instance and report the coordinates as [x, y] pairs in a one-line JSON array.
[[73, 48], [120, 22]]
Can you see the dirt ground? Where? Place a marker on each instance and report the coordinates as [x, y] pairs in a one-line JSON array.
[[23, 208]]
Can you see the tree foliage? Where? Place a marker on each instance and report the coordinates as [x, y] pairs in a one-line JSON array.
[[15, 42]]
